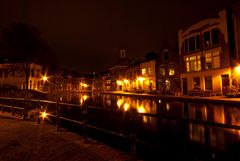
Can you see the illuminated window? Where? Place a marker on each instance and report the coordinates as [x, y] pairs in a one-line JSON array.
[[212, 60], [216, 59], [144, 71], [171, 71], [187, 65], [208, 61], [162, 71], [193, 63]]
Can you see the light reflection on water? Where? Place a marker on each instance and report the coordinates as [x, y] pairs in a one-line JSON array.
[[210, 136]]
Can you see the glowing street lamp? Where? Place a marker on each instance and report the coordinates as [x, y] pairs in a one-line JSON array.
[[237, 69], [44, 114], [44, 78]]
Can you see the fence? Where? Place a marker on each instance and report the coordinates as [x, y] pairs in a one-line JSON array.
[[32, 108]]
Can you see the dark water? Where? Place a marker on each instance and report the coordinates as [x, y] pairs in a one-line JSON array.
[[170, 130]]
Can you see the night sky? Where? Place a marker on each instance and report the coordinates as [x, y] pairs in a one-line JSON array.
[[86, 35]]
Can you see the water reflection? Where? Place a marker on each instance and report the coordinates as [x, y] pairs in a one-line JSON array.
[[169, 118], [217, 113]]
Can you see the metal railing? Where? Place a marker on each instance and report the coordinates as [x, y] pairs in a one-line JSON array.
[[22, 107]]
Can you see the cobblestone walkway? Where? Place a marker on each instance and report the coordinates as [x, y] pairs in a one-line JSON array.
[[27, 141]]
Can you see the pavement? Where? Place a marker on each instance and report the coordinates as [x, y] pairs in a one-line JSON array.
[[28, 141]]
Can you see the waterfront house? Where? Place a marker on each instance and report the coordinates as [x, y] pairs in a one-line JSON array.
[[168, 70], [118, 70], [206, 54], [13, 73]]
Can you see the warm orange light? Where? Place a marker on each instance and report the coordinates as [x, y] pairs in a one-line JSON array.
[[44, 78], [141, 109], [81, 101], [237, 69], [125, 81], [126, 106], [141, 79], [167, 106], [44, 114], [84, 84], [85, 97], [119, 103], [119, 82]]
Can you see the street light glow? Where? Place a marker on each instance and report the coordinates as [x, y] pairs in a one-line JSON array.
[[119, 82], [125, 81], [237, 69], [44, 78], [44, 114], [141, 79]]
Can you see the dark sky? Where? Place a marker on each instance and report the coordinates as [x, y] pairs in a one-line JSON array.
[[86, 35]]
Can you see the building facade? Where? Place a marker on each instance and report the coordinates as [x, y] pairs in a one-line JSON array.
[[168, 71], [147, 81], [14, 74], [118, 70], [205, 53]]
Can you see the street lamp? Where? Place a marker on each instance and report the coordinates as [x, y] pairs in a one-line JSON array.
[[44, 78], [237, 69]]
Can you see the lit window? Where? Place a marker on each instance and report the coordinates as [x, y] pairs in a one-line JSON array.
[[193, 63], [171, 71], [216, 59], [144, 71], [212, 60], [208, 61]]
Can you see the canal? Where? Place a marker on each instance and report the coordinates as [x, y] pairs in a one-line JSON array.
[[164, 129]]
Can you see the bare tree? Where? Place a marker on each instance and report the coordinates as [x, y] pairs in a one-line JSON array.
[[23, 42]]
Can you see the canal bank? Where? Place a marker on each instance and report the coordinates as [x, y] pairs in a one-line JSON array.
[[209, 99], [27, 141]]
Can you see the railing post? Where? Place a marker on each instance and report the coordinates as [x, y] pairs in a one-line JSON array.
[[85, 122], [24, 109], [133, 135], [38, 112], [57, 116], [12, 110]]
